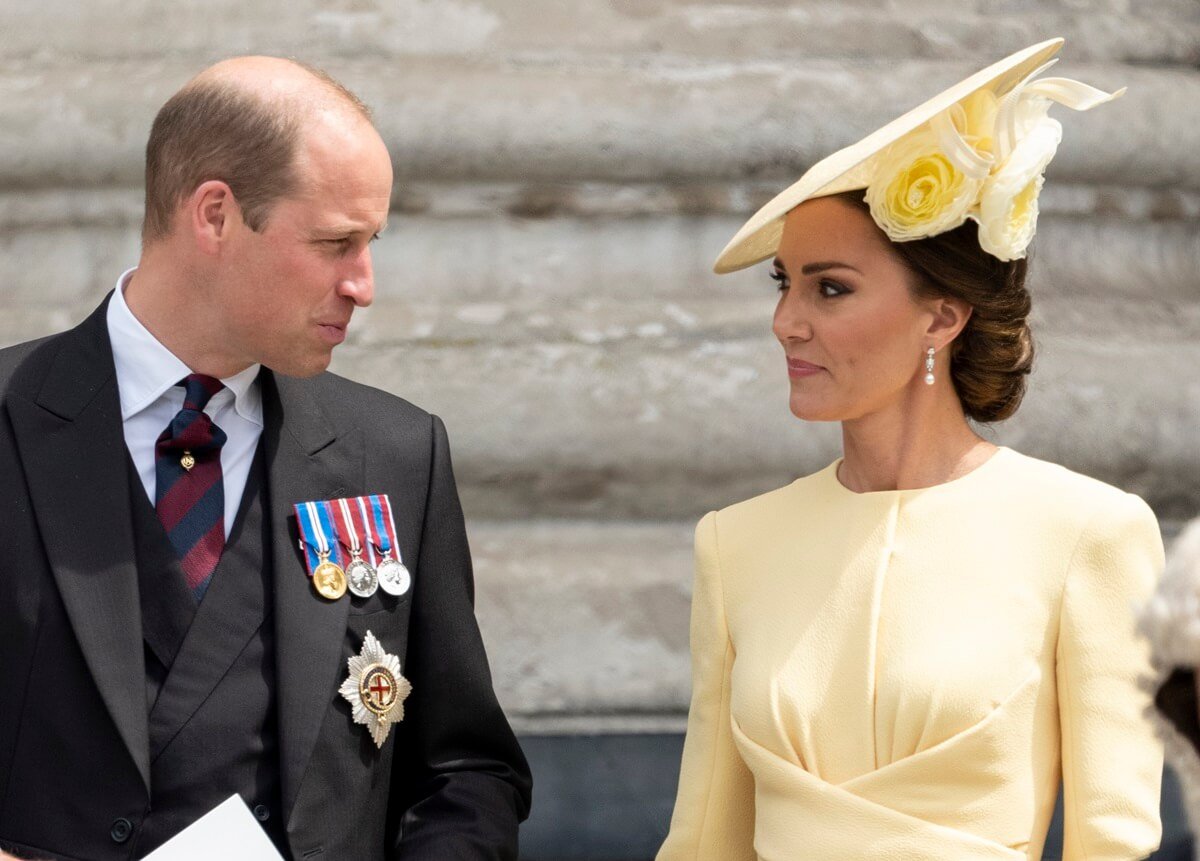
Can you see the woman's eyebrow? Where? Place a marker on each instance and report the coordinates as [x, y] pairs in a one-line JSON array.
[[813, 268]]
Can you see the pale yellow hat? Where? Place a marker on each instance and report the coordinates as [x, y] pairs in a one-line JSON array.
[[977, 150]]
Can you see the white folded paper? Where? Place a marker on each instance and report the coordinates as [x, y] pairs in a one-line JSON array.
[[229, 831]]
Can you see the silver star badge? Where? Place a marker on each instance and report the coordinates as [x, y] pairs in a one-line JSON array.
[[375, 689]]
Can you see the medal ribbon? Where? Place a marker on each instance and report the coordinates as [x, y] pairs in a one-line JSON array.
[[346, 528], [308, 540], [361, 508], [387, 507], [316, 523], [385, 528]]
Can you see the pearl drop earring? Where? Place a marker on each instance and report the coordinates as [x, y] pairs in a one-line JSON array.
[[929, 367]]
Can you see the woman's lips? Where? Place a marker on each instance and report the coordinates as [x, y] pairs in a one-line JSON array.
[[798, 368]]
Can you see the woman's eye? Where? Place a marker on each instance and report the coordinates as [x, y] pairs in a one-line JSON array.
[[780, 279], [829, 289]]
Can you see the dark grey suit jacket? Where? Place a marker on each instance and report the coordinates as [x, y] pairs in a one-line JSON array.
[[450, 782]]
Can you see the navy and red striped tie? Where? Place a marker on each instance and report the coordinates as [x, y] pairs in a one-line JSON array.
[[190, 492]]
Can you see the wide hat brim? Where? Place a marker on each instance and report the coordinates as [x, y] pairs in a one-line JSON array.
[[852, 168]]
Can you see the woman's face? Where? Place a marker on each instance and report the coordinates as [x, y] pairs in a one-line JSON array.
[[854, 335]]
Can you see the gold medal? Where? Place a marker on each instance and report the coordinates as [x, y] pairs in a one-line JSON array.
[[329, 580], [187, 461]]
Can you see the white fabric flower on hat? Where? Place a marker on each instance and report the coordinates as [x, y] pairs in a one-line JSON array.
[[1008, 206]]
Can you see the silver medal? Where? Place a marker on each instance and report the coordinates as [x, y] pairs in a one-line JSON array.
[[360, 574], [362, 578], [393, 576]]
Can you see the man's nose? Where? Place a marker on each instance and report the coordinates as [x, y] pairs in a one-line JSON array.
[[358, 282]]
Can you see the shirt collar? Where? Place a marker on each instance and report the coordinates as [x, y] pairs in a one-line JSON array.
[[146, 369]]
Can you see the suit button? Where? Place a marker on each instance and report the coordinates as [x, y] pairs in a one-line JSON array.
[[261, 813], [121, 830]]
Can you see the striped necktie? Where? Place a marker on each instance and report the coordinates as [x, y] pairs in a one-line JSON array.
[[189, 493]]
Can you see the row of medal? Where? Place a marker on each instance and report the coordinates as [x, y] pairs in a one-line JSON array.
[[351, 544]]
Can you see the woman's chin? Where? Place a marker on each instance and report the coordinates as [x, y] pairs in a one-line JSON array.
[[810, 410]]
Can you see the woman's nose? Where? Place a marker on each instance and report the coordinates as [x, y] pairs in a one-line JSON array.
[[791, 320]]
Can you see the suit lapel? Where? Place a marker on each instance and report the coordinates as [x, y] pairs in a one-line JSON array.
[[307, 459], [72, 444]]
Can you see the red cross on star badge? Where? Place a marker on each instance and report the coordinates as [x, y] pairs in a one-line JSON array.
[[375, 689]]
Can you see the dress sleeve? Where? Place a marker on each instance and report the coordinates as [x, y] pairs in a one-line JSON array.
[[1111, 760], [714, 807]]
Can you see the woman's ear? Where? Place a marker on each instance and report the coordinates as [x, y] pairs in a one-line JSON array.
[[949, 316]]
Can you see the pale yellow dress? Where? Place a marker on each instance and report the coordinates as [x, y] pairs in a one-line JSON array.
[[907, 674]]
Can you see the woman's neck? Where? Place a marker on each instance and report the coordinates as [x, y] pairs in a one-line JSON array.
[[918, 442]]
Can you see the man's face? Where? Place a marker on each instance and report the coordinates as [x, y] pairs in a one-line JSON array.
[[287, 292]]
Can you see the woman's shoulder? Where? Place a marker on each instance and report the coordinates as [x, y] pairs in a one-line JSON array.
[[781, 501], [1099, 526], [1049, 484], [745, 530]]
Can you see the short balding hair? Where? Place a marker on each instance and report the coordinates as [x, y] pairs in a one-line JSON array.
[[213, 129]]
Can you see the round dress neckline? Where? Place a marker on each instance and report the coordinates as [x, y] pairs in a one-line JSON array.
[[1001, 453]]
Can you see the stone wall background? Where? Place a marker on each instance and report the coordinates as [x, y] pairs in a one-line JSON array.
[[566, 173]]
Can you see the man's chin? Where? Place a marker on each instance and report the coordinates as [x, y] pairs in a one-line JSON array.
[[302, 368]]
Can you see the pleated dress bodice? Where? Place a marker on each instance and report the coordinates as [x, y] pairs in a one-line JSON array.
[[906, 674]]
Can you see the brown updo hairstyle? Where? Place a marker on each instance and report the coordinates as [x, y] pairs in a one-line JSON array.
[[992, 356]]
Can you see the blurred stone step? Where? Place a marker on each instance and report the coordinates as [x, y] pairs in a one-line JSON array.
[[614, 245], [680, 419], [1162, 31], [84, 123], [583, 620]]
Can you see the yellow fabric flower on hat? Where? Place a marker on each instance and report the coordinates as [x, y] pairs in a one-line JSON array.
[[918, 191], [928, 181]]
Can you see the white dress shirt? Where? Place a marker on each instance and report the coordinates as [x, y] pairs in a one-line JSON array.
[[147, 374]]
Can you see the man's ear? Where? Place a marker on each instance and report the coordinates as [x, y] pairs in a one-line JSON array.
[[949, 318], [212, 213]]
